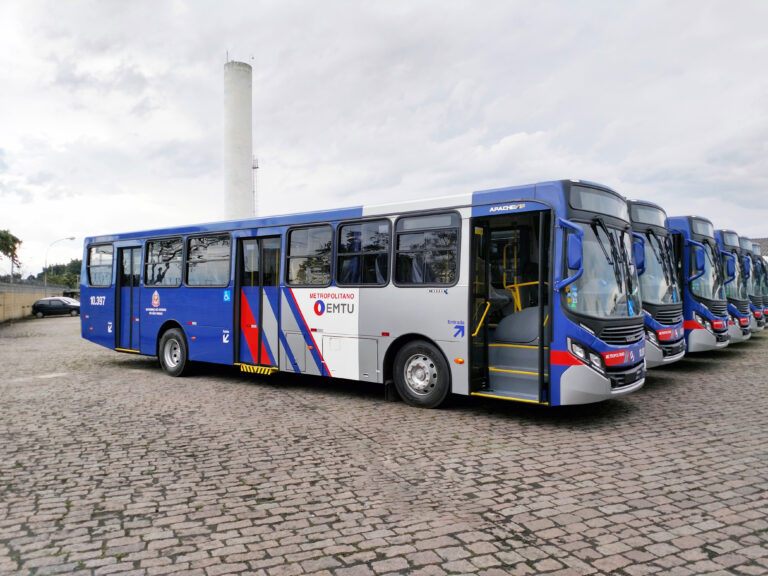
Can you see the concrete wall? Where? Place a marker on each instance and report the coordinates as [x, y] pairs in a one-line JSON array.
[[16, 299]]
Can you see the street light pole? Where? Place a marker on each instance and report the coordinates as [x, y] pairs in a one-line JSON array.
[[45, 270]]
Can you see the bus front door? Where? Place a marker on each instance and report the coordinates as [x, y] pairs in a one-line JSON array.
[[259, 301], [509, 306], [127, 309]]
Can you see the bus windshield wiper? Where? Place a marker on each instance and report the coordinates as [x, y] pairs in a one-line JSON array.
[[598, 222], [661, 256]]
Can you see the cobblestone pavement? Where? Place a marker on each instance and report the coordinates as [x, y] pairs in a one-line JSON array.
[[110, 467]]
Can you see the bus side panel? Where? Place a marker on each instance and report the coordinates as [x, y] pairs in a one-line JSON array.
[[97, 315], [300, 345], [207, 320]]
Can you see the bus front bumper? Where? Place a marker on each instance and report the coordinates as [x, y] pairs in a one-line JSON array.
[[583, 385], [738, 334], [655, 355], [702, 340]]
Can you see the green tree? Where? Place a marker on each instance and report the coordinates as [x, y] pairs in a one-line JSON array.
[[62, 274], [9, 246]]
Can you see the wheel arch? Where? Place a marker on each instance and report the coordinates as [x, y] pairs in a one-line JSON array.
[[388, 366], [168, 325]]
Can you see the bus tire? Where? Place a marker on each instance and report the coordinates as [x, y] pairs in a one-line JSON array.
[[172, 352], [421, 374]]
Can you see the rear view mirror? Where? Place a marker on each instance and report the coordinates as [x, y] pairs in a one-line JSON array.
[[638, 253], [699, 258], [746, 266], [731, 267], [575, 248]]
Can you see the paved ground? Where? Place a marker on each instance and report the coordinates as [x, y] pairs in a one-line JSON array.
[[107, 466]]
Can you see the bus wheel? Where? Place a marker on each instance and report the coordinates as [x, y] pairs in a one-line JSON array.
[[173, 352], [421, 374]]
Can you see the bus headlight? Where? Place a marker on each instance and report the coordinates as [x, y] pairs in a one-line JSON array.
[[698, 318], [577, 350], [589, 357], [651, 336]]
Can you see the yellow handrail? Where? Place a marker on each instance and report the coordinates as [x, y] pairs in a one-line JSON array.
[[487, 306]]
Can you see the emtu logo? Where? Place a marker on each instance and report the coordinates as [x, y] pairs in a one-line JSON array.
[[319, 307]]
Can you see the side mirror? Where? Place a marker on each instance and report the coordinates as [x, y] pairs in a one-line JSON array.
[[731, 269], [699, 258], [638, 252], [575, 250], [573, 256], [746, 266]]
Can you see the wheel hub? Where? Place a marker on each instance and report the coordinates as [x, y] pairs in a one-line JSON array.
[[420, 374]]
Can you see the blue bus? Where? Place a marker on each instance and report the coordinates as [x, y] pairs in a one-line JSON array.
[[524, 293], [700, 274], [659, 288], [755, 286], [736, 286], [757, 252]]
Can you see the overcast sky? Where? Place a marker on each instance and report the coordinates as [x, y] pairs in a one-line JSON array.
[[111, 113]]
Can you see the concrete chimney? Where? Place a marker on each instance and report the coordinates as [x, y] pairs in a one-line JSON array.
[[239, 191]]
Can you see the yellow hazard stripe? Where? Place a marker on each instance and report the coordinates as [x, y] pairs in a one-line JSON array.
[[127, 350], [263, 370]]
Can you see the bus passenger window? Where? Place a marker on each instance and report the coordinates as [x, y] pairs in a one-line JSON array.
[[100, 265], [163, 262], [363, 253], [427, 249], [208, 260], [309, 256]]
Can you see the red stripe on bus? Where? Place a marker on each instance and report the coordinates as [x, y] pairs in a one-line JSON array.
[[563, 358], [247, 323], [692, 325], [309, 331]]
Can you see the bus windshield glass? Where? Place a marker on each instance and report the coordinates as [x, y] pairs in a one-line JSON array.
[[658, 283], [648, 215], [736, 288], [702, 227], [710, 284], [730, 238], [609, 286], [600, 201]]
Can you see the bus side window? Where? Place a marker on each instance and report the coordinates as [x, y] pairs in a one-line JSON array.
[[309, 256], [363, 253], [427, 249], [163, 262], [208, 259], [100, 265]]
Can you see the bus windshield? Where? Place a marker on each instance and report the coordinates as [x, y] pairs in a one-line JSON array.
[[710, 284], [736, 288], [658, 283], [609, 286]]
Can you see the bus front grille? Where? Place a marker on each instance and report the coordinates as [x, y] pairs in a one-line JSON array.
[[719, 309], [669, 316], [622, 335], [743, 307]]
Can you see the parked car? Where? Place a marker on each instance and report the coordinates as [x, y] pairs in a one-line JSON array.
[[56, 306]]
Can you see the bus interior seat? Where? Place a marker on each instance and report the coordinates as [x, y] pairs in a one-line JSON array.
[[521, 327]]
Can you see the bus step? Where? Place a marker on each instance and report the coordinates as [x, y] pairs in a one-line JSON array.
[[506, 395], [263, 370], [513, 382]]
